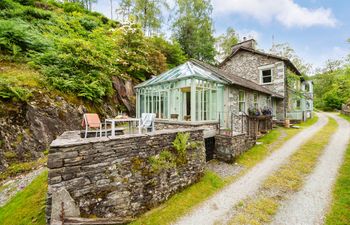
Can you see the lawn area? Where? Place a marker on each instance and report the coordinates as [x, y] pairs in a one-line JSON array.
[[179, 204], [28, 206], [288, 179], [339, 212]]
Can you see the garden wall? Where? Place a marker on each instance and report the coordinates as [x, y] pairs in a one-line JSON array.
[[227, 148], [114, 177]]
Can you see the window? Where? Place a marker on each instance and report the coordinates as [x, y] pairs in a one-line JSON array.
[[266, 76], [255, 100], [298, 104], [241, 101]]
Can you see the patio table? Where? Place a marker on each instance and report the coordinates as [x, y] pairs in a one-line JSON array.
[[126, 120]]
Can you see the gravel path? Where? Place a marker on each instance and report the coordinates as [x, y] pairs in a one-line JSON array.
[[217, 206], [11, 187], [309, 205]]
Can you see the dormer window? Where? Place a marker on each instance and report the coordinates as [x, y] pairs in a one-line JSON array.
[[266, 74]]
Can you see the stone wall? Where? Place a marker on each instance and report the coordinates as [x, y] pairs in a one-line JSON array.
[[227, 148], [246, 64], [210, 127], [345, 109], [113, 177]]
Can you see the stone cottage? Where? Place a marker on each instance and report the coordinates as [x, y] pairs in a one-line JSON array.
[[275, 73]]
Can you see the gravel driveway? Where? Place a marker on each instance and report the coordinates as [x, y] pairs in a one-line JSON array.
[[309, 205], [216, 207]]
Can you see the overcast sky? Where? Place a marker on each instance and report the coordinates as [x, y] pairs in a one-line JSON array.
[[316, 29]]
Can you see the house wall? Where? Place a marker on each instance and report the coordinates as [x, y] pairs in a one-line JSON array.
[[246, 65], [113, 177], [231, 105]]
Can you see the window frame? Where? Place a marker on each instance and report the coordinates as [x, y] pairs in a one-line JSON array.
[[241, 101], [265, 68], [256, 100]]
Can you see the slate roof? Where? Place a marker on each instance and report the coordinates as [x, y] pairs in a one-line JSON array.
[[234, 79]]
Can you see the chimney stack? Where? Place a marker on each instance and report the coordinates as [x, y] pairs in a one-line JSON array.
[[247, 43]]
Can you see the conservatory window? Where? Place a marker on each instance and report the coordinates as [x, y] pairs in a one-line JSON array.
[[241, 101]]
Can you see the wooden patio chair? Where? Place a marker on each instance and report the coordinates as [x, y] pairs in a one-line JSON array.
[[92, 121]]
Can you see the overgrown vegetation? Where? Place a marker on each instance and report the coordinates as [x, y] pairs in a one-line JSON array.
[[339, 212], [17, 168], [77, 51], [288, 179], [28, 206], [176, 156]]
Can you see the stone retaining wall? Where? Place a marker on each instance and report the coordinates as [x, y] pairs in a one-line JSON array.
[[174, 124], [227, 148], [112, 177]]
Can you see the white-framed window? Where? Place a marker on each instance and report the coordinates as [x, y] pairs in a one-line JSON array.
[[256, 100], [266, 74], [241, 101]]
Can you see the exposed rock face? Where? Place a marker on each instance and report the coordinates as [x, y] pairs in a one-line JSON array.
[[125, 93], [114, 177], [27, 129]]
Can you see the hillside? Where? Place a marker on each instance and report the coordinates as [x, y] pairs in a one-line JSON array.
[[57, 61]]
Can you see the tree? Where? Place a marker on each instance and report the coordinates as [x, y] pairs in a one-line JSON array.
[[193, 29], [286, 51], [125, 8], [226, 41], [146, 12], [171, 50]]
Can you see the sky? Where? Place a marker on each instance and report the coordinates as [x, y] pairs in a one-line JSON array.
[[316, 29]]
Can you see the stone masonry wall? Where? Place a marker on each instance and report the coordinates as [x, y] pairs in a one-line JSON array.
[[112, 177], [227, 148], [246, 65]]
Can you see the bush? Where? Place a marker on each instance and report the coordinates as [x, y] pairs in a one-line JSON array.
[[17, 37], [37, 13]]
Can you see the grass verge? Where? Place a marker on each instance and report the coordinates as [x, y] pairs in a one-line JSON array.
[[286, 180], [181, 203], [28, 206], [339, 212]]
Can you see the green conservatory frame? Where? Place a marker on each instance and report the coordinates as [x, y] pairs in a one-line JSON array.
[[188, 92]]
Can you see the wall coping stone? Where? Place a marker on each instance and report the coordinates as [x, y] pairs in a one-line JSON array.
[[73, 138]]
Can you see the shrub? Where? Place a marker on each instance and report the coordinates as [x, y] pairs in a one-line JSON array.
[[16, 37], [37, 13]]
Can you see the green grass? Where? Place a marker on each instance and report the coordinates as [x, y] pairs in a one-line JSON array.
[[17, 168], [339, 212], [288, 179], [28, 206], [19, 75]]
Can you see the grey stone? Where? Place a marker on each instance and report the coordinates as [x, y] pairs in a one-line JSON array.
[[61, 198]]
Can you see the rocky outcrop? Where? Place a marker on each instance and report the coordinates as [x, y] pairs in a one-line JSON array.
[[125, 93], [27, 129]]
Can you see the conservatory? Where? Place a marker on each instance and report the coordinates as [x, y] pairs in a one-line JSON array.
[[188, 92]]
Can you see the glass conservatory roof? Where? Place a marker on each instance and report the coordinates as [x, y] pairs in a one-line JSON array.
[[184, 71]]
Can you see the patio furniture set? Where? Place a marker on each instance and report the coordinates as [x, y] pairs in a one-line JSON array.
[[91, 123]]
